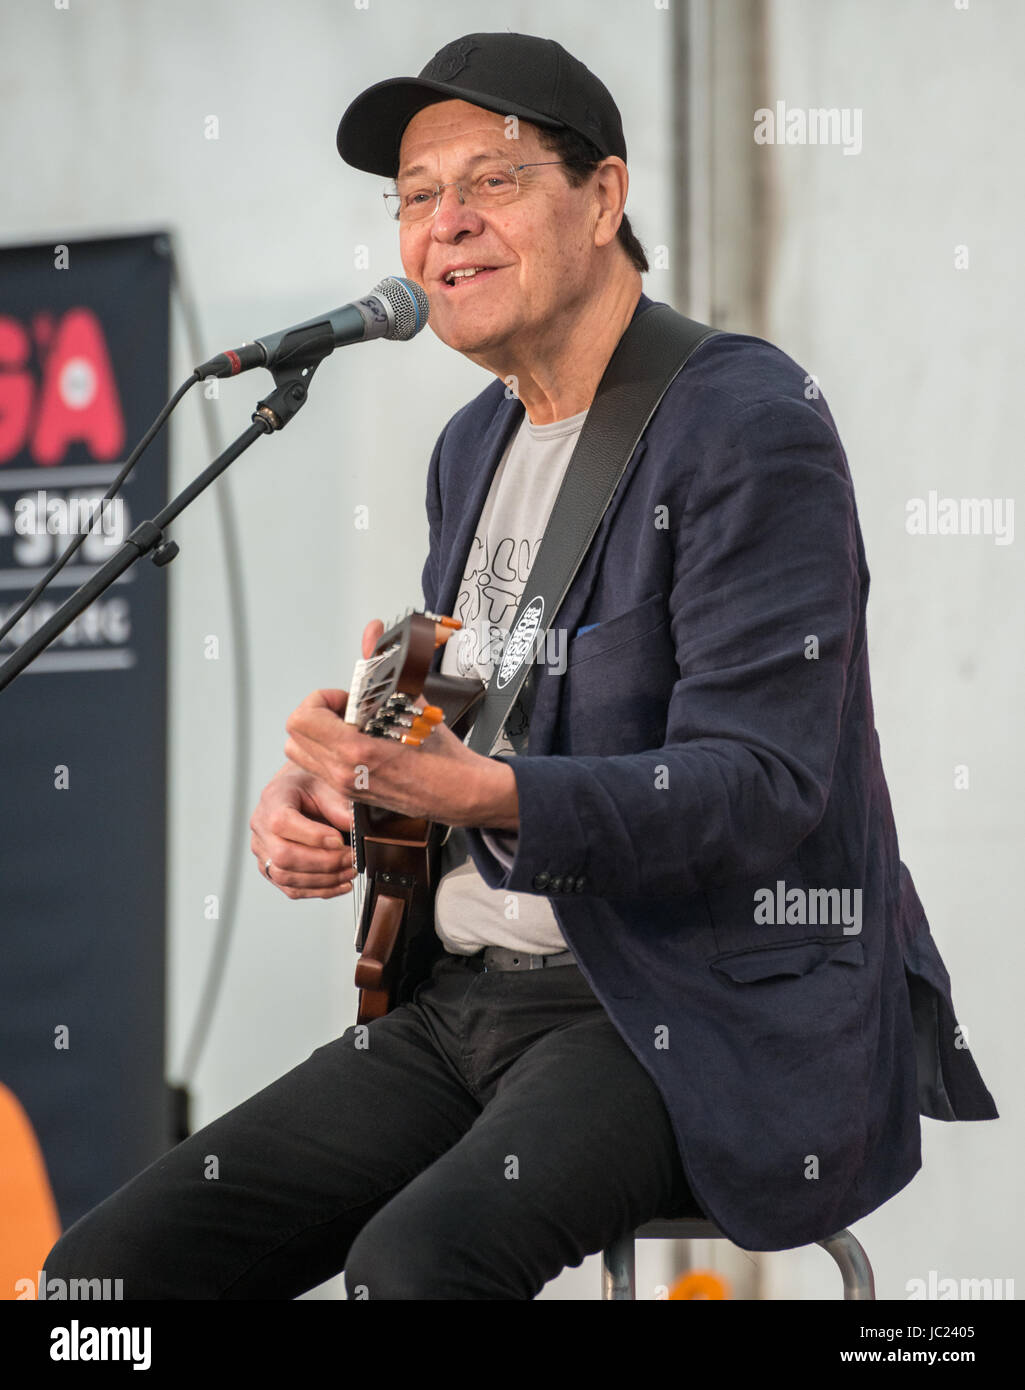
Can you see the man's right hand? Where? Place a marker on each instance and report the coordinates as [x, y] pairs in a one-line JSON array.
[[297, 827], [297, 822]]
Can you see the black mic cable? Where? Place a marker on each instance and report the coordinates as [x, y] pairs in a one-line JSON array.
[[130, 463]]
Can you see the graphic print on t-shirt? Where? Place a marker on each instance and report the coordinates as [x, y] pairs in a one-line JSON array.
[[488, 598], [489, 595]]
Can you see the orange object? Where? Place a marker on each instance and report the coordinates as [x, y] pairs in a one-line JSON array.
[[700, 1283], [426, 721], [28, 1212]]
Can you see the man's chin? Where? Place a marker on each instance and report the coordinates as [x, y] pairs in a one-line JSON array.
[[468, 338]]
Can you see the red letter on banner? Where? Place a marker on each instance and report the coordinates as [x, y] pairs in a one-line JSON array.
[[78, 398], [15, 388]]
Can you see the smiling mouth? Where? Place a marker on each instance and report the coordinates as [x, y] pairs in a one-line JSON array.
[[461, 280]]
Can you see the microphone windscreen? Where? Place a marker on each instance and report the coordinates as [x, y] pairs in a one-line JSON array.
[[409, 304]]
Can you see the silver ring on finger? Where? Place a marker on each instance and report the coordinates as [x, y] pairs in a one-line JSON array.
[[266, 869]]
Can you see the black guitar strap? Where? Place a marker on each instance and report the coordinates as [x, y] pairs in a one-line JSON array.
[[648, 357]]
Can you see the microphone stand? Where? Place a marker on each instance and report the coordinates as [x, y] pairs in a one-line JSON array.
[[272, 413]]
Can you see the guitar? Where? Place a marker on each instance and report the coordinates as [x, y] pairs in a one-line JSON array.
[[397, 856]]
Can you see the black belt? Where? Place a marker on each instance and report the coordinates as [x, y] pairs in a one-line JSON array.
[[502, 958]]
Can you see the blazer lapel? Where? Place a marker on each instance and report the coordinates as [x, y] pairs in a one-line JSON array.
[[467, 491]]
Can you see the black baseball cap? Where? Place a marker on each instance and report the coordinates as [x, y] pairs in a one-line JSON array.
[[513, 74]]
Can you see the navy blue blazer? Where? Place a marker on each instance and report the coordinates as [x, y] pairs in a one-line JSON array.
[[707, 760]]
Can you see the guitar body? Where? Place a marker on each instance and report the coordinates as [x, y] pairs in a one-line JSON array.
[[399, 857], [397, 924]]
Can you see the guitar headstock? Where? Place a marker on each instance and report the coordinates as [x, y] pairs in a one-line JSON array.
[[386, 685]]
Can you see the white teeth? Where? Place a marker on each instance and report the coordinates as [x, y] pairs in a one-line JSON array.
[[454, 275]]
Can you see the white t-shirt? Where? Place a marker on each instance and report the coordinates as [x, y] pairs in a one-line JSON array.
[[467, 913]]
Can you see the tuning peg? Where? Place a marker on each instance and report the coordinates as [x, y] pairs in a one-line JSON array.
[[426, 721], [443, 621]]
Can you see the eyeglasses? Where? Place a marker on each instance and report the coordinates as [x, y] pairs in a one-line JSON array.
[[491, 186]]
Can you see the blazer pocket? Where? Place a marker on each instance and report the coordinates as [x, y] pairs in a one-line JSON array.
[[789, 959], [647, 617]]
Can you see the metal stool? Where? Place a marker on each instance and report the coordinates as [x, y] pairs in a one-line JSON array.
[[617, 1260]]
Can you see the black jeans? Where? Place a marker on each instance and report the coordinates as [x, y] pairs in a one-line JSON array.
[[490, 1133]]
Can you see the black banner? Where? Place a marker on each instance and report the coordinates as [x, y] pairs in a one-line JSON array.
[[83, 371]]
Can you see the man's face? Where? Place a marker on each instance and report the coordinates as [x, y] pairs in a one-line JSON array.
[[538, 248]]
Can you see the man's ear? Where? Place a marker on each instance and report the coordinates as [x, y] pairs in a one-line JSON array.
[[611, 187]]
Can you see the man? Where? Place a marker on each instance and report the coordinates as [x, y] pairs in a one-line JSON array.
[[681, 967]]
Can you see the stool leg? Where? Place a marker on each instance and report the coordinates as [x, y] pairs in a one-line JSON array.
[[858, 1281], [617, 1269]]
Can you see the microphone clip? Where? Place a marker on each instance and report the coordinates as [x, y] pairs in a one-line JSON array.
[[288, 397]]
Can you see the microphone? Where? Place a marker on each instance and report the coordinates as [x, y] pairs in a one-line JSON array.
[[396, 308]]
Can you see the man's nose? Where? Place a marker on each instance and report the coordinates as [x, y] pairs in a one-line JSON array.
[[454, 213]]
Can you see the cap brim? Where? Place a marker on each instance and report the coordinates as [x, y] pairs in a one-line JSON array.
[[370, 131]]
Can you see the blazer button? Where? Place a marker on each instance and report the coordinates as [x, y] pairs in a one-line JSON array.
[[578, 887], [555, 885], [541, 881]]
